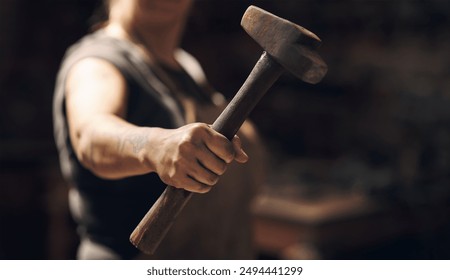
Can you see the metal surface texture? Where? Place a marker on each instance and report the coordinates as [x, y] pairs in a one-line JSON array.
[[288, 43]]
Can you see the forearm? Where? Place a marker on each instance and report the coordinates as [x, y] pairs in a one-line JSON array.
[[112, 148]]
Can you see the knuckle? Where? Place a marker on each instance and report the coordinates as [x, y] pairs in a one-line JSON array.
[[199, 128], [186, 147], [193, 137], [186, 143]]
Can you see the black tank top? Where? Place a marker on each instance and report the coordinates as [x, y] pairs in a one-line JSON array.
[[108, 210]]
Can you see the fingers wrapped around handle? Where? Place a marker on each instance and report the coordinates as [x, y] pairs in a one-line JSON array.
[[194, 156]]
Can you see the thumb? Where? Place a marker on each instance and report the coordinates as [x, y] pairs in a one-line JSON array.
[[240, 155]]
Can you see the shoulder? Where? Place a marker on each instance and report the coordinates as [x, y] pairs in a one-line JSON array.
[[94, 60], [94, 70], [98, 46]]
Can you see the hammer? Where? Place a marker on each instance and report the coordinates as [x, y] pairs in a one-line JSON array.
[[287, 46]]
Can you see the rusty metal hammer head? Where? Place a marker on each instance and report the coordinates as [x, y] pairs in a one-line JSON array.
[[291, 45]]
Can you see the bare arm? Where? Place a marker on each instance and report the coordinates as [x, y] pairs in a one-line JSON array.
[[192, 157]]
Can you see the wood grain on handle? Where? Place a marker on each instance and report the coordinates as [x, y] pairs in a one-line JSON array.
[[156, 223]]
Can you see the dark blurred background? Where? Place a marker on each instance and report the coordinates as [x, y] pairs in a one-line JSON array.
[[360, 163]]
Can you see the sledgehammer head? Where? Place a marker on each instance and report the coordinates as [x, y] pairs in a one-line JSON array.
[[291, 45]]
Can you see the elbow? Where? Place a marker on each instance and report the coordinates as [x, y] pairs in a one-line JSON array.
[[92, 162], [93, 159], [85, 153]]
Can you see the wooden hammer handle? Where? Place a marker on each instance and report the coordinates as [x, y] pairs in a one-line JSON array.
[[155, 224]]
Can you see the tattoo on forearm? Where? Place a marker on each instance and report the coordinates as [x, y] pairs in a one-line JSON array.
[[138, 142], [119, 140]]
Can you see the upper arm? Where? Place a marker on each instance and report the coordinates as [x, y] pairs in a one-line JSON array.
[[94, 88]]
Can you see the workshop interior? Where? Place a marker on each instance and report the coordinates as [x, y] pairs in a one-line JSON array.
[[359, 164]]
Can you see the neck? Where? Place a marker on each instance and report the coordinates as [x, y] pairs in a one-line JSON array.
[[158, 41]]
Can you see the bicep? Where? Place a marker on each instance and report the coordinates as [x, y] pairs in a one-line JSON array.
[[94, 89]]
